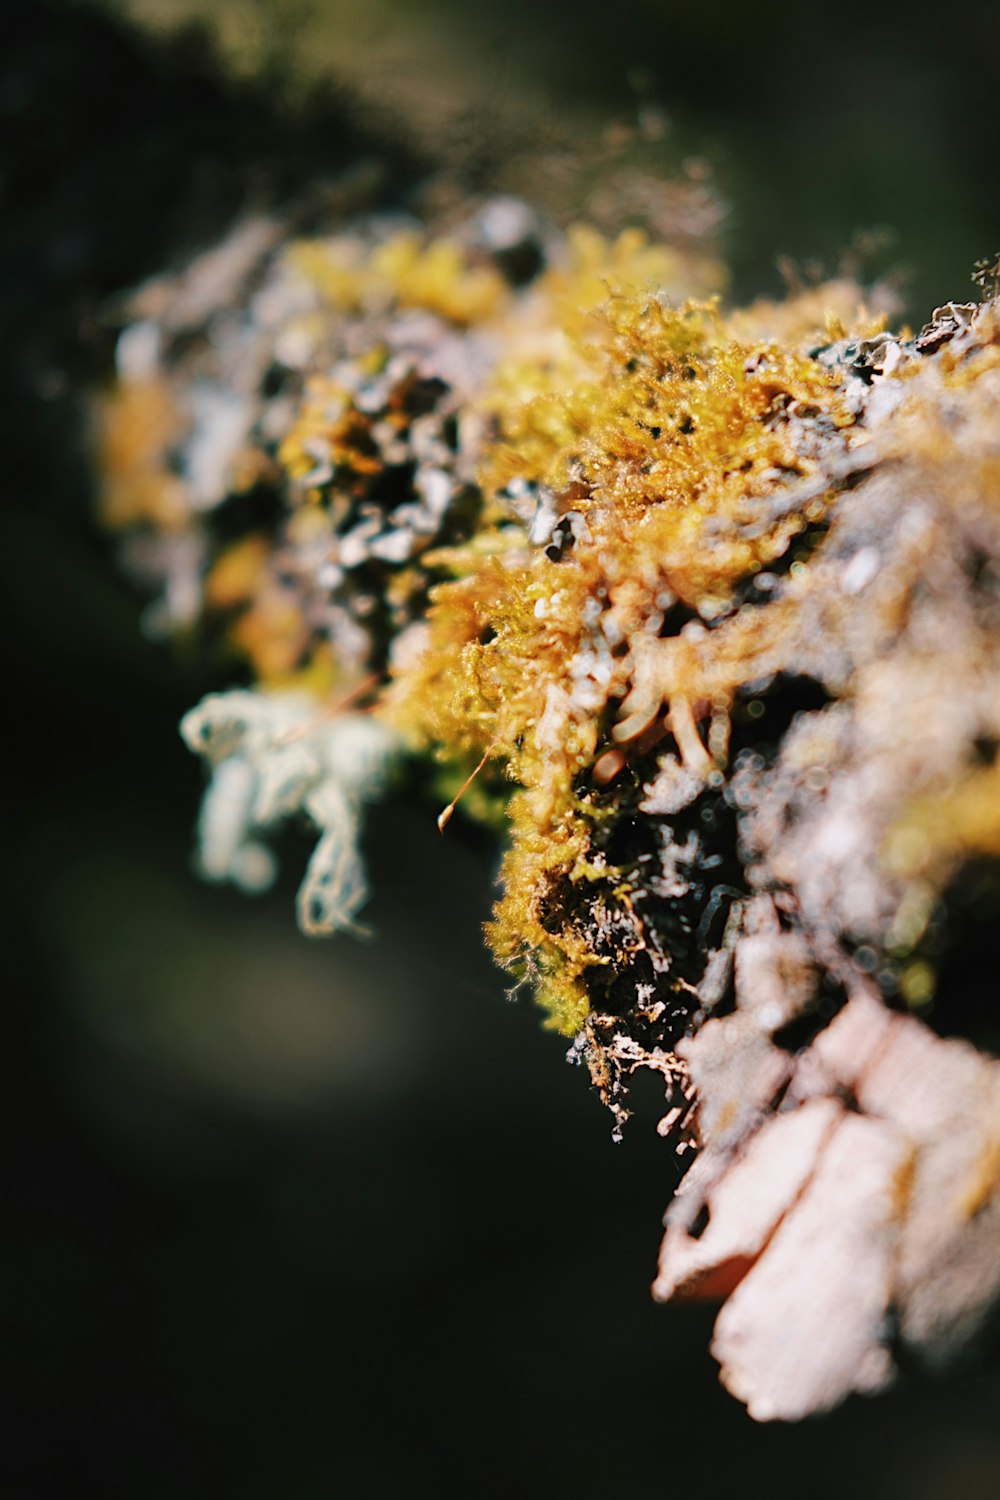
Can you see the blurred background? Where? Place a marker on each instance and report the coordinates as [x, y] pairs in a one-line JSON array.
[[297, 1220]]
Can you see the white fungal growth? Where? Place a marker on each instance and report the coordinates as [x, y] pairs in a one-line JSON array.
[[274, 755]]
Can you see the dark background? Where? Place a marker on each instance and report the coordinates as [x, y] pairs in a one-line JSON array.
[[294, 1220]]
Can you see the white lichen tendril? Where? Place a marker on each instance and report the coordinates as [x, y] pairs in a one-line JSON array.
[[273, 755]]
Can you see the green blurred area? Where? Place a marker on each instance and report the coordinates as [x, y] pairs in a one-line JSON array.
[[828, 129], [296, 1220]]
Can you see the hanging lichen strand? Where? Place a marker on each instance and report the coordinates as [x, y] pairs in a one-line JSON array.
[[652, 567]]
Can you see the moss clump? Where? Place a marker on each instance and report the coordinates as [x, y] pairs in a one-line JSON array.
[[642, 568], [407, 270], [641, 439]]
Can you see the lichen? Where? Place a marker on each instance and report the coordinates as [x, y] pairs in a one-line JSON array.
[[675, 594]]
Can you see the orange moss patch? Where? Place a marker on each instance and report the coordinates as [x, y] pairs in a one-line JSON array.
[[668, 430], [137, 423], [408, 271]]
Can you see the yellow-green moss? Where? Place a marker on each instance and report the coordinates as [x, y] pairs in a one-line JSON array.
[[652, 429], [406, 270], [649, 422]]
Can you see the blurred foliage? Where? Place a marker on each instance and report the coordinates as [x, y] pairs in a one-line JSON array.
[[838, 137]]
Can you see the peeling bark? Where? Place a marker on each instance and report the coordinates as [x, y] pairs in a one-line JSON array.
[[846, 1201], [862, 1217]]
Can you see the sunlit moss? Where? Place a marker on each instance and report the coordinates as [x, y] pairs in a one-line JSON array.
[[136, 424], [407, 269], [529, 521], [651, 425]]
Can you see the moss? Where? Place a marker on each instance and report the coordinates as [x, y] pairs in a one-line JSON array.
[[580, 538], [408, 270], [667, 426], [136, 425]]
